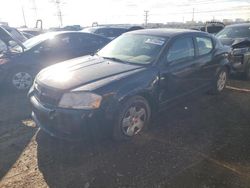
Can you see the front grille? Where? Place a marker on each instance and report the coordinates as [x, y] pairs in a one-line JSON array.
[[47, 95]]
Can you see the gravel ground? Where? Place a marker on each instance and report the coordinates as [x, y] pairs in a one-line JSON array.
[[202, 142]]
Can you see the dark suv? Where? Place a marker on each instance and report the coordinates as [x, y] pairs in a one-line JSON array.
[[127, 81]]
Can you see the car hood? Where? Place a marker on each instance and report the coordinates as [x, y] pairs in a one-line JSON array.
[[231, 41], [82, 71], [7, 37]]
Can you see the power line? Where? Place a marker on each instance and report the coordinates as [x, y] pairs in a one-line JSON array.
[[247, 9]]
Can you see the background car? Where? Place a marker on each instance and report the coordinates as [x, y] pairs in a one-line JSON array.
[[22, 62], [129, 80], [111, 32], [237, 36]]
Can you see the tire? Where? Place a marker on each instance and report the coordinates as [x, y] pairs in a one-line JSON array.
[[220, 82], [19, 80], [133, 117]]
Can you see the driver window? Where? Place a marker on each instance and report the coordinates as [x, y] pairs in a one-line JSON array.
[[182, 48], [56, 44]]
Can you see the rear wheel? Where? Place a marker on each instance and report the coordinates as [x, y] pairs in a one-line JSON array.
[[133, 117], [220, 82]]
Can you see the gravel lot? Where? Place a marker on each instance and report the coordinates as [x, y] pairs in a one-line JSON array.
[[202, 142]]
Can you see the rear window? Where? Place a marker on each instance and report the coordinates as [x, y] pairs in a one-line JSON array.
[[205, 45]]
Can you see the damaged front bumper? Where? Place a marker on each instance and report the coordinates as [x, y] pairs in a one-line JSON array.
[[64, 123], [240, 62], [240, 56]]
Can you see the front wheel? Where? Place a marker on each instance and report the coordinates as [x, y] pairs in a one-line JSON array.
[[133, 117], [220, 82], [19, 80]]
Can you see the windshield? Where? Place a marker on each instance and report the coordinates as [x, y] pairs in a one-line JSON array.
[[139, 49], [234, 32], [30, 43]]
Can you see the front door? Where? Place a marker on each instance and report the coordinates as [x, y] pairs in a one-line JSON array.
[[178, 74]]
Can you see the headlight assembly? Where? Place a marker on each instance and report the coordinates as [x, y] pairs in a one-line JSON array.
[[239, 51], [80, 100]]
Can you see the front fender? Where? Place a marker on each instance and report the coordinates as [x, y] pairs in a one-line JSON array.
[[224, 63]]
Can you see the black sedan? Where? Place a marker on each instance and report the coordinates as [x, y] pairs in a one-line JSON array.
[[126, 82], [22, 62]]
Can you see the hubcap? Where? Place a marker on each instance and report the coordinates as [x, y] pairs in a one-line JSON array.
[[134, 120], [222, 81], [22, 80]]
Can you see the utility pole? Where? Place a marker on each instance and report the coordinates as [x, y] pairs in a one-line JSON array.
[[34, 8], [59, 12], [146, 17], [193, 16], [24, 19]]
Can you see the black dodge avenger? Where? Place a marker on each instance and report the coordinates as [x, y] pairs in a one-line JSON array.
[[126, 82]]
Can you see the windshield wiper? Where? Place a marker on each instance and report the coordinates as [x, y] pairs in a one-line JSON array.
[[115, 59]]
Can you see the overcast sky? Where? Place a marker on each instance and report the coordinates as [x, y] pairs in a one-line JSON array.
[[84, 12]]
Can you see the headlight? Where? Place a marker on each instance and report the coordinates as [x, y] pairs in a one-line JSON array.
[[238, 51], [80, 100]]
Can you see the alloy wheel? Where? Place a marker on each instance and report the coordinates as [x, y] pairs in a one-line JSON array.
[[22, 80], [222, 79], [134, 120]]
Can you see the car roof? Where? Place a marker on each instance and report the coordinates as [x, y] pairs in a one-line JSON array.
[[240, 25], [106, 27], [55, 33], [169, 33]]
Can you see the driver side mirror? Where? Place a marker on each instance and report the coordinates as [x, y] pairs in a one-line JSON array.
[[41, 50], [12, 43], [37, 52], [3, 47]]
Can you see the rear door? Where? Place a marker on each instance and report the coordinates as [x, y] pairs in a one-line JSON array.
[[205, 59]]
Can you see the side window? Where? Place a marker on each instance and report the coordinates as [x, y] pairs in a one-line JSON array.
[[64, 42], [205, 45], [58, 43], [87, 41], [182, 48]]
